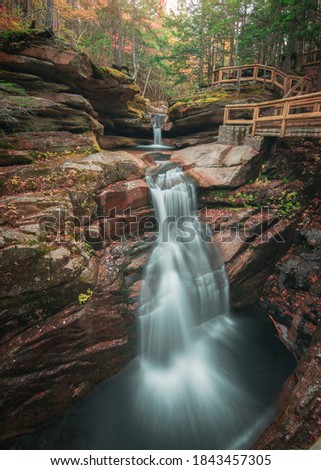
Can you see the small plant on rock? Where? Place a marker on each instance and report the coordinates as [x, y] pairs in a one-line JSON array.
[[83, 298]]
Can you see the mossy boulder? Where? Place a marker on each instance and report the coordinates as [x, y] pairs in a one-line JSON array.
[[205, 111]]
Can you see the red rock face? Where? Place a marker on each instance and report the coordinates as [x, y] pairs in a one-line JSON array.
[[298, 425], [67, 312], [52, 364], [250, 242], [123, 196]]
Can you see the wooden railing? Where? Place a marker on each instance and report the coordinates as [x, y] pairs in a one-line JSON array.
[[288, 84], [311, 58], [296, 116]]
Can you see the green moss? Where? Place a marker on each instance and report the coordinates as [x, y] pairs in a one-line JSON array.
[[12, 88], [134, 87], [108, 72], [16, 35], [198, 101], [138, 112]]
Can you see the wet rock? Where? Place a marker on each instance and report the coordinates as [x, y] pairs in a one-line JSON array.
[[58, 360], [112, 141], [298, 424], [191, 139], [215, 165], [292, 298]]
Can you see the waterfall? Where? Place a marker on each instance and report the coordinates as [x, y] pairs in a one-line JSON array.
[[186, 383], [185, 281], [203, 378], [157, 121]]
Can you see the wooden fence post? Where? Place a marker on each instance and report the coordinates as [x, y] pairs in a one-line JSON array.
[[256, 112], [285, 114]]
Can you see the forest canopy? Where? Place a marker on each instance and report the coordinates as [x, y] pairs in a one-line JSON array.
[[172, 47]]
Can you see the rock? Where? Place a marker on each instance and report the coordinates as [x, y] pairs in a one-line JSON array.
[[32, 83], [94, 236], [47, 67], [215, 165], [292, 298], [27, 147], [123, 196], [57, 361], [34, 114], [205, 111], [133, 127], [248, 272], [61, 267], [298, 424], [250, 243], [107, 142], [191, 139], [135, 223], [312, 236], [70, 100]]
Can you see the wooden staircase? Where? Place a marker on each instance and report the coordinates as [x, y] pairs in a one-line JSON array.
[[289, 85]]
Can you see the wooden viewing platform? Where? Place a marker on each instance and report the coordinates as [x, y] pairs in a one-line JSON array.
[[299, 116], [289, 85]]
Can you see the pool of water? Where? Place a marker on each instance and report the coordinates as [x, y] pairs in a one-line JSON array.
[[223, 402]]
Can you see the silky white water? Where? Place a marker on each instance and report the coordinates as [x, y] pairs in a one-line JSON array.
[[182, 379], [157, 121], [185, 283]]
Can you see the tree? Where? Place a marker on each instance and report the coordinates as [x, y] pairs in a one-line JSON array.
[[49, 15]]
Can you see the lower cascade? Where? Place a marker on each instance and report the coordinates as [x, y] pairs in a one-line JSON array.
[[185, 281]]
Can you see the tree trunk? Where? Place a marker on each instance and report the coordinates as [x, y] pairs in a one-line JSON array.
[[135, 69], [49, 15]]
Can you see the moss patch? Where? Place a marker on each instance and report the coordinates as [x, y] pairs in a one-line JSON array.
[[12, 88], [198, 101], [104, 73]]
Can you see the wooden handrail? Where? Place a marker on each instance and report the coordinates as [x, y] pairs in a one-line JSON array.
[[311, 58], [281, 113], [288, 84]]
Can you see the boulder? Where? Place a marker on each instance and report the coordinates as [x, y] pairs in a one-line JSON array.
[[123, 196], [215, 165]]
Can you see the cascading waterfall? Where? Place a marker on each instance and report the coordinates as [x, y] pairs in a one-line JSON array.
[[203, 376], [183, 381], [185, 282], [157, 122]]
